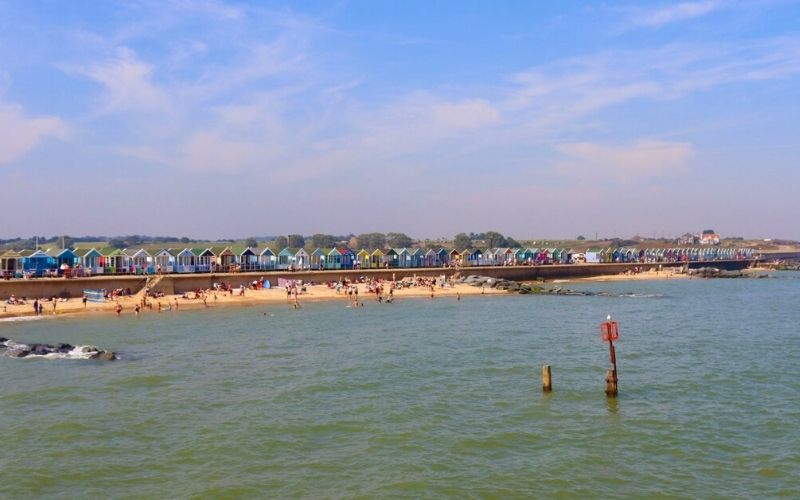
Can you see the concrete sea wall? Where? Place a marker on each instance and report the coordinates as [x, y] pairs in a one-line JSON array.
[[178, 283]]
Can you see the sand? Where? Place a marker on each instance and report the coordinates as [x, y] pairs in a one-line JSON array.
[[274, 297]]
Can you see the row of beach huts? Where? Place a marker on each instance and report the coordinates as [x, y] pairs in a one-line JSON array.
[[105, 261]]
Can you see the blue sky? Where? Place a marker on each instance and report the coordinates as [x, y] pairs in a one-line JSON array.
[[536, 119]]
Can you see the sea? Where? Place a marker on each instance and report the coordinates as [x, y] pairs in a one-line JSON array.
[[420, 398]]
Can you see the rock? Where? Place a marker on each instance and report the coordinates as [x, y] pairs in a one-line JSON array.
[[42, 349], [64, 348], [3, 339], [104, 355], [19, 354], [89, 348]]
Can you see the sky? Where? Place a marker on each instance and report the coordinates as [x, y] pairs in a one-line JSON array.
[[214, 119]]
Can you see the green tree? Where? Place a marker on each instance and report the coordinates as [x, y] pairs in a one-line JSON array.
[[581, 238], [323, 240], [372, 240], [251, 242], [116, 243], [493, 239], [399, 240], [462, 242], [185, 240], [296, 241], [281, 242]]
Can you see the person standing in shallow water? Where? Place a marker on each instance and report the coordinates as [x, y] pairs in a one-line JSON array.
[[118, 309]]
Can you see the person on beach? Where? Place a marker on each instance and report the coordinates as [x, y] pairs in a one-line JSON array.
[[36, 307], [55, 304], [118, 309], [85, 299], [176, 303], [458, 296], [136, 310], [159, 306]]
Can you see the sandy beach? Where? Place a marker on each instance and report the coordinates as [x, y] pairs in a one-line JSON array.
[[273, 297]]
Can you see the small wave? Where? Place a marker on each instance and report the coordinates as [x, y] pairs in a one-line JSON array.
[[641, 295], [15, 319]]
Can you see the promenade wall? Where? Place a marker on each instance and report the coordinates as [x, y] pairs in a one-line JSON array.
[[178, 283]]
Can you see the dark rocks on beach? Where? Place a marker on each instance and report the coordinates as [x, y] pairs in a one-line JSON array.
[[22, 350], [104, 356]]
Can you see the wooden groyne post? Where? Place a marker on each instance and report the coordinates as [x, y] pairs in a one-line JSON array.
[[609, 332], [547, 380]]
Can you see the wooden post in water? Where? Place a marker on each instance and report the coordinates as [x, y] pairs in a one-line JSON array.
[[609, 332], [547, 381]]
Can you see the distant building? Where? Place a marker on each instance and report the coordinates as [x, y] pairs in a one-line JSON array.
[[709, 237], [689, 239]]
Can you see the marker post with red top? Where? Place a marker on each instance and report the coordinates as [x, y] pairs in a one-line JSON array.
[[609, 332]]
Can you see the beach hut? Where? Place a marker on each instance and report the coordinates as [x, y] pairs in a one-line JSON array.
[[140, 261], [443, 257], [403, 257], [248, 260], [116, 261], [475, 257], [267, 259], [301, 259], [455, 257], [430, 259], [416, 257], [391, 258], [92, 261], [203, 259], [286, 258], [333, 260], [363, 259], [65, 257], [377, 259], [37, 262], [223, 258], [185, 261], [316, 258], [165, 261], [10, 264]]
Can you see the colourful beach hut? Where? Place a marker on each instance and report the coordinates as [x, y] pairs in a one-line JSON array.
[[185, 261], [141, 262], [203, 259], [37, 262], [164, 261], [475, 257], [10, 264], [348, 257], [363, 259], [301, 259], [430, 259], [248, 260], [316, 258], [443, 257], [286, 258], [267, 259], [377, 259], [392, 259], [403, 257], [454, 256], [416, 257], [333, 259]]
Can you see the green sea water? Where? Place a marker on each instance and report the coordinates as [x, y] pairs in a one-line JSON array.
[[420, 398]]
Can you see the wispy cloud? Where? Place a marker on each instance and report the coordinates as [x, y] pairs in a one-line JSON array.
[[22, 133], [673, 13]]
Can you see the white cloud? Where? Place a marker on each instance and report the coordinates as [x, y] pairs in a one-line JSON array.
[[128, 84], [22, 133], [645, 158], [673, 13]]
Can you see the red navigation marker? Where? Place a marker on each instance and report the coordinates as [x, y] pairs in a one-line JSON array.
[[609, 332]]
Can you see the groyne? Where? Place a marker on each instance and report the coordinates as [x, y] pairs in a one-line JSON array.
[[178, 283]]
